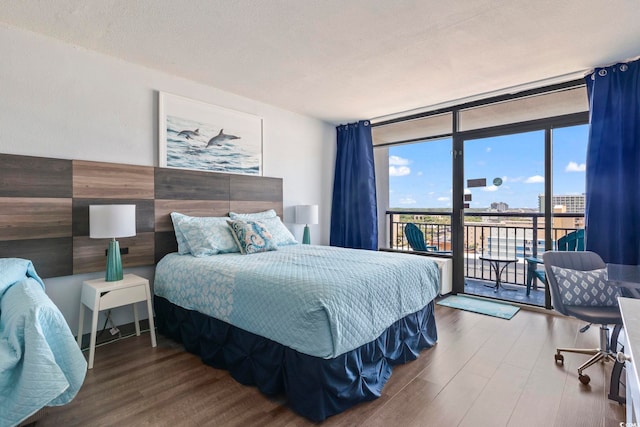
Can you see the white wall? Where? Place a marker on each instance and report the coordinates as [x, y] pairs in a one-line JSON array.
[[62, 101]]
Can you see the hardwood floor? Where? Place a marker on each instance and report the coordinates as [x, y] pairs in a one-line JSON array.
[[484, 371]]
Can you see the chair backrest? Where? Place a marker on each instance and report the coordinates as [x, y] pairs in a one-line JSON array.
[[582, 261], [573, 241], [415, 237]]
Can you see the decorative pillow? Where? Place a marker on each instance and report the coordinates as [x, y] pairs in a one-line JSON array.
[[251, 236], [204, 236], [254, 216], [280, 233], [587, 288]]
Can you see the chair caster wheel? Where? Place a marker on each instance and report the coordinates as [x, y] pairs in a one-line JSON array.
[[559, 358], [584, 379]]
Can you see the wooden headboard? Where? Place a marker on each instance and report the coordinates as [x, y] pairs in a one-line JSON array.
[[44, 208]]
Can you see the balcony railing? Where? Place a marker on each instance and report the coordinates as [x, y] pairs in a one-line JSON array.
[[508, 234]]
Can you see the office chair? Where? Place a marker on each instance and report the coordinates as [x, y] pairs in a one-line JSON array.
[[578, 285]]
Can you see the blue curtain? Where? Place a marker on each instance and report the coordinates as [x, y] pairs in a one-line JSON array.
[[612, 211], [354, 215]]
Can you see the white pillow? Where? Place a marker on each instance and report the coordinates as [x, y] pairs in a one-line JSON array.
[[280, 233], [254, 216], [183, 246], [204, 236]]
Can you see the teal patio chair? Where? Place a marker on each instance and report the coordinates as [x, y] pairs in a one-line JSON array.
[[415, 237], [571, 242]]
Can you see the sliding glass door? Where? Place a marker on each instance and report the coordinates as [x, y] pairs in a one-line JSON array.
[[522, 192], [504, 179]]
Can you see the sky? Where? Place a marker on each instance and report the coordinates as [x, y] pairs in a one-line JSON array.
[[420, 173]]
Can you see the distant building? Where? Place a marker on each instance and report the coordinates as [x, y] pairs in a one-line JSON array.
[[573, 203], [500, 206]]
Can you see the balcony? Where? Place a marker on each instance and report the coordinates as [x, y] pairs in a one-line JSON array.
[[507, 234]]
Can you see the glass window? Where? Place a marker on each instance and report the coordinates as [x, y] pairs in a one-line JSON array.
[[420, 175]]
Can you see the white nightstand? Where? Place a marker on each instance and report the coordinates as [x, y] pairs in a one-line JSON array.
[[100, 295]]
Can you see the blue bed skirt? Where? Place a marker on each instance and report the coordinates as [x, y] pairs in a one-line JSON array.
[[315, 388]]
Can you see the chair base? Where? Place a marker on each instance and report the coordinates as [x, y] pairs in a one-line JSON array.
[[602, 354]]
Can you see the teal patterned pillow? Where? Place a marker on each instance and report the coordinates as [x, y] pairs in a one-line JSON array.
[[280, 233], [586, 288], [204, 236], [251, 236], [183, 246], [254, 216]]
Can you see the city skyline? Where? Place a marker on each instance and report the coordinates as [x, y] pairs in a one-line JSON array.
[[420, 173]]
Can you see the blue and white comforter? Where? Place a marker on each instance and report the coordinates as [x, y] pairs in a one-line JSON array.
[[319, 300], [40, 362]]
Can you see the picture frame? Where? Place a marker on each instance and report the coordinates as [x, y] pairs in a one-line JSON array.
[[196, 135]]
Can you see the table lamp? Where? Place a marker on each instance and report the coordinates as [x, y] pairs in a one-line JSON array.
[[306, 214], [111, 222]]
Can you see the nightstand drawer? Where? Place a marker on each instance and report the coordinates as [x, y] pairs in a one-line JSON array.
[[119, 297]]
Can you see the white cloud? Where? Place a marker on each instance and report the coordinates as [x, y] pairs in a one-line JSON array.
[[488, 149], [399, 170], [575, 167], [467, 191], [398, 161], [535, 179], [431, 193], [443, 199], [490, 188], [407, 201], [419, 173]]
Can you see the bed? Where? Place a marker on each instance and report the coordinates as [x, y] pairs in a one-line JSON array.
[[40, 362], [322, 325]]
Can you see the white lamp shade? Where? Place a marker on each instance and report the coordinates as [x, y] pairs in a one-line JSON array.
[[112, 221], [307, 214]]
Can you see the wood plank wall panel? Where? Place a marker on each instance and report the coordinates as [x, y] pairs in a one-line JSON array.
[[51, 257], [191, 185], [25, 176], [195, 193], [35, 212], [23, 218], [89, 255], [112, 181], [44, 214], [253, 193], [145, 221], [163, 209]]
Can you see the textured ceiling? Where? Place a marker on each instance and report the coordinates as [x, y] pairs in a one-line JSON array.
[[343, 60]]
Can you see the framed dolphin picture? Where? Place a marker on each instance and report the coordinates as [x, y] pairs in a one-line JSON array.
[[197, 135]]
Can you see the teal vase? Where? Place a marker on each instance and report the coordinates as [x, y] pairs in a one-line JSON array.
[[114, 262], [306, 237]]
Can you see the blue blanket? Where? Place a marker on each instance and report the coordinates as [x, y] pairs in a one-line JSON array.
[[319, 300], [40, 362]]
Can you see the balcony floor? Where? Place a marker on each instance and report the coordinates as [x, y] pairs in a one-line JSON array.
[[519, 295]]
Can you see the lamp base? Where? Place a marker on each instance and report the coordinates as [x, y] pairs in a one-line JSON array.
[[114, 262], [306, 237]]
